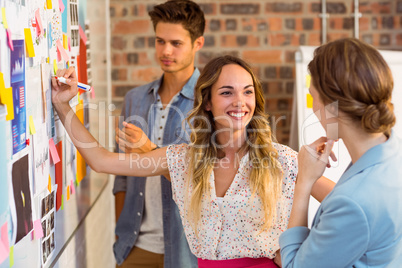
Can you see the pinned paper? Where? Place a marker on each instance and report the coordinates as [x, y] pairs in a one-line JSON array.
[[309, 101], [4, 245], [38, 229], [3, 14], [62, 51], [55, 68], [65, 41], [68, 193], [49, 185], [61, 6], [49, 4], [9, 39], [72, 187], [31, 125], [82, 35], [28, 43], [308, 81], [53, 152], [39, 26], [6, 97]]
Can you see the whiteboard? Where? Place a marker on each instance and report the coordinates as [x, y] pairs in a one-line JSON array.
[[308, 127]]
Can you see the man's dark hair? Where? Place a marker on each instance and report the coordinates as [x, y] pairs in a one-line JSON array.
[[185, 12]]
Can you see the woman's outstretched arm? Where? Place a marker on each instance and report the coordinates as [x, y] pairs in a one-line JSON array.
[[97, 157]]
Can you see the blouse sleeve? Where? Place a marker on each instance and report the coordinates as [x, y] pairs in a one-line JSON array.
[[177, 165]]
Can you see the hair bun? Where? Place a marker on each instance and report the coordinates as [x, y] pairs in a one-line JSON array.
[[379, 117]]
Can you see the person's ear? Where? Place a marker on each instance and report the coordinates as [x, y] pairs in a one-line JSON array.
[[208, 106], [199, 43]]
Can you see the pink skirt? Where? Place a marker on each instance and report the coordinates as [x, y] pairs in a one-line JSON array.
[[238, 263]]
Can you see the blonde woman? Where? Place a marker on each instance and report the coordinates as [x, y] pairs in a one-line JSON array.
[[232, 184]]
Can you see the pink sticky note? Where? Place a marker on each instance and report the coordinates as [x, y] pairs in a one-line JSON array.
[[4, 245], [72, 187], [10, 41], [83, 36], [62, 51], [38, 229], [58, 55], [39, 26], [92, 93], [69, 44], [53, 152], [61, 6]]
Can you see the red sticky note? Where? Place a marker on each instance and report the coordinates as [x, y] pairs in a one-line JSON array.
[[61, 6], [4, 245], [62, 51], [83, 36], [53, 152], [38, 229], [39, 26], [59, 175], [10, 41]]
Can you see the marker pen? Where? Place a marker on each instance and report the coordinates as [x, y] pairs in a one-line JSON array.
[[80, 85]]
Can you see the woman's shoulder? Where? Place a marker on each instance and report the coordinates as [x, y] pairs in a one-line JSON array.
[[285, 153], [177, 150]]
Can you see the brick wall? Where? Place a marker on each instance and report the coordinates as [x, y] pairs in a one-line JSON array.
[[266, 33]]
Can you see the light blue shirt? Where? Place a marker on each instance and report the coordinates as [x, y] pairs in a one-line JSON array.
[[359, 224]]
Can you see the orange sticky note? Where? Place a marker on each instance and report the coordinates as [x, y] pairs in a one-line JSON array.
[[53, 152], [309, 101], [28, 43], [49, 4], [49, 184], [308, 81], [68, 192], [31, 125], [3, 14], [38, 229]]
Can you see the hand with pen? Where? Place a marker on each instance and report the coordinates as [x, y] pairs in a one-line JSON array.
[[63, 92]]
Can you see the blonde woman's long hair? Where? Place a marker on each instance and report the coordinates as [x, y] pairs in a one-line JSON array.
[[266, 172]]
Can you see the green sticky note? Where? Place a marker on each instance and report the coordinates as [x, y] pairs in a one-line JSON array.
[[11, 256], [62, 202]]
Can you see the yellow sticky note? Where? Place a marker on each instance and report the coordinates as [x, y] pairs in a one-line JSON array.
[[68, 192], [49, 4], [309, 101], [62, 201], [29, 43], [49, 185], [3, 14], [55, 68], [308, 81], [65, 41], [31, 125], [11, 256], [7, 99]]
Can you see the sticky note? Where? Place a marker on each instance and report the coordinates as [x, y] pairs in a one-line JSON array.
[[9, 39], [49, 184], [69, 44], [82, 35], [65, 41], [4, 244], [28, 43], [38, 229], [92, 93], [39, 25], [68, 192], [31, 125], [309, 101], [3, 14], [6, 97], [61, 6], [72, 187], [62, 202], [55, 68], [308, 81], [53, 152], [49, 4], [62, 51], [11, 257]]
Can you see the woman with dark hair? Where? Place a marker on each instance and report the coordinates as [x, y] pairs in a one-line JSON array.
[[359, 224]]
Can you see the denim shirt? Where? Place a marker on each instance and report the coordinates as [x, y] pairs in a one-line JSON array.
[[139, 109]]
